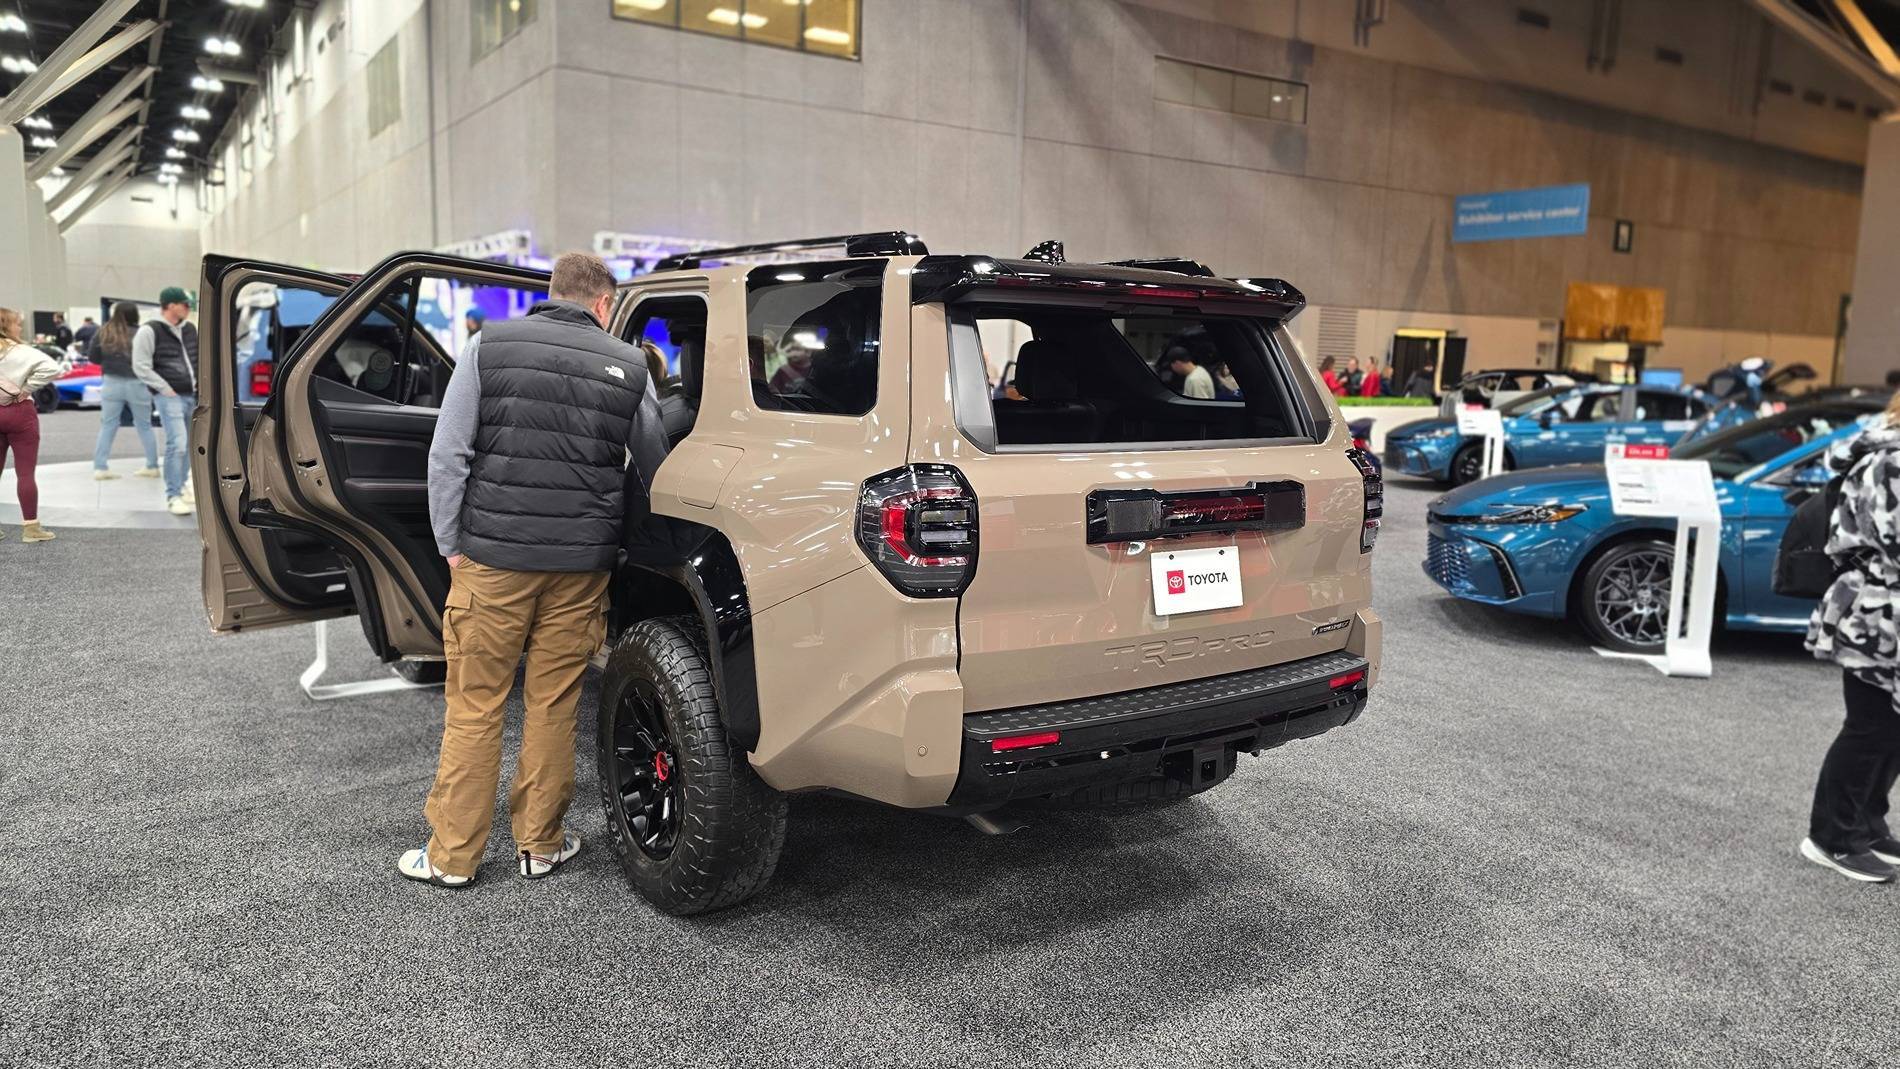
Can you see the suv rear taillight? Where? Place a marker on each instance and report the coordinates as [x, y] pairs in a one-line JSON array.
[[918, 525], [260, 378], [1375, 497]]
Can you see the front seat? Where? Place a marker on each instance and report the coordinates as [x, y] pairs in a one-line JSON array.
[[1052, 410]]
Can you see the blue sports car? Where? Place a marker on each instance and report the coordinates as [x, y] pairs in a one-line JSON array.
[[1546, 542], [1560, 425]]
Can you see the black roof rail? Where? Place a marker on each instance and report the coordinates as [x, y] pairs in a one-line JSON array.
[[877, 243], [1176, 264]]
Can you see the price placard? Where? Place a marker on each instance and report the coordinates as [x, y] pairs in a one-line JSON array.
[[1682, 489], [1478, 422]]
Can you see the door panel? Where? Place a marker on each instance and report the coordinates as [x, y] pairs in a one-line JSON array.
[[252, 577], [349, 426]]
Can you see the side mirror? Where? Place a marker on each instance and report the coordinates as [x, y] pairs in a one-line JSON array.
[[1547, 417]]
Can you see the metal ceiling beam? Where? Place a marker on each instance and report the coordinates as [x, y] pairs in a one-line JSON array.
[[106, 187], [1869, 36], [109, 157], [97, 120], [1825, 41], [26, 97], [96, 59]]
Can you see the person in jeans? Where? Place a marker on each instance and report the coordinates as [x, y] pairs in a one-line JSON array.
[[546, 442], [165, 357], [23, 369], [119, 389], [1854, 626]]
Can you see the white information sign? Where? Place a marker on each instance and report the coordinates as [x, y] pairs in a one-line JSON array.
[[1191, 580], [1683, 490], [1487, 424]]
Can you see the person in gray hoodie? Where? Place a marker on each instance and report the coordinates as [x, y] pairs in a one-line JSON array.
[[1854, 626]]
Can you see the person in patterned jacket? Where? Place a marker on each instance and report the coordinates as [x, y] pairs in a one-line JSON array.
[[1855, 627]]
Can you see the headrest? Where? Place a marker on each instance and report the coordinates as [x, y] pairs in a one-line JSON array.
[[1043, 372]]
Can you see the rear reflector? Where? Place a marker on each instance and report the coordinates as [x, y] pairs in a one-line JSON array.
[[1024, 742], [1138, 515], [1349, 679]]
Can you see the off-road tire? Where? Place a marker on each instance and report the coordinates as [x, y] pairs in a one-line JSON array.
[[422, 673], [732, 825]]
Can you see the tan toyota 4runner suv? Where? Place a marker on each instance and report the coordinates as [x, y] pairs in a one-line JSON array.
[[934, 531]]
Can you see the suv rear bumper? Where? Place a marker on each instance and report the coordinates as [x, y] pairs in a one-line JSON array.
[[1194, 729]]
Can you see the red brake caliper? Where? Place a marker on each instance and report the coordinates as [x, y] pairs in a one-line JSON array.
[[662, 768]]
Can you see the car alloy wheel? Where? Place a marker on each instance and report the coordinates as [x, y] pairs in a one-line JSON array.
[[1630, 597], [647, 797]]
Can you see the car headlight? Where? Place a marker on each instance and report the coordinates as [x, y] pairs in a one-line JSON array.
[[1527, 514], [1435, 432]]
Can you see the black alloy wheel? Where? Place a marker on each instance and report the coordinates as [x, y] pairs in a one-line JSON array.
[[1467, 465], [645, 773]]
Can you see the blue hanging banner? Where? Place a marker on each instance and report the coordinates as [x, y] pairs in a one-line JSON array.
[[1547, 212]]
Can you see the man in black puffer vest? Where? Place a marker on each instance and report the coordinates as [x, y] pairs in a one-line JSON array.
[[546, 443]]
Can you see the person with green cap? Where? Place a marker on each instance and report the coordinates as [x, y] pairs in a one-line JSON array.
[[165, 357]]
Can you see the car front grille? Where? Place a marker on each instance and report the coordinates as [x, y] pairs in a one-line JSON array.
[[1446, 563]]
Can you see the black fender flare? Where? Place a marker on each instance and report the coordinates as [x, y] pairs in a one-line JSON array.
[[700, 561]]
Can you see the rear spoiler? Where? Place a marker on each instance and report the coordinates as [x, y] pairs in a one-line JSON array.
[[938, 279]]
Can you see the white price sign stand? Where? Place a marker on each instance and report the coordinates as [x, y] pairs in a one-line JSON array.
[[1683, 490], [1485, 423]]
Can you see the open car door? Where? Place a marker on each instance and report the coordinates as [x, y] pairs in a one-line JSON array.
[[338, 453], [250, 315]]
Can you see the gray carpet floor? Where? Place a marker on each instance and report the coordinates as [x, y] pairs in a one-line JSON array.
[[1521, 855]]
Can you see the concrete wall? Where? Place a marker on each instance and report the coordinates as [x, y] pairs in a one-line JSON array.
[[987, 125], [140, 240], [1873, 333]]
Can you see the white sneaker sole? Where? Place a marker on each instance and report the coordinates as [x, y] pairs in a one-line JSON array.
[[1819, 857]]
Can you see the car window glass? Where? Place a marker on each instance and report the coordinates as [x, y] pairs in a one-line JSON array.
[[812, 336], [1736, 450], [267, 320], [403, 348], [673, 327], [1659, 405]]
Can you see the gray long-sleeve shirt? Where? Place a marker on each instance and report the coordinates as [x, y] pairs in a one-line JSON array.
[[453, 447]]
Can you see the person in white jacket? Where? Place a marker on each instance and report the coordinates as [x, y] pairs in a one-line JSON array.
[[23, 370]]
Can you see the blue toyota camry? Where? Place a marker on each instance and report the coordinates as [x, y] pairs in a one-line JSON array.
[[1546, 543], [1560, 425]]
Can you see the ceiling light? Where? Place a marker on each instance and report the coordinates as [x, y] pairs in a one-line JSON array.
[[218, 46], [193, 111], [726, 16], [167, 179], [42, 141], [252, 4], [11, 23], [173, 153], [206, 85], [58, 172], [826, 36], [188, 136], [36, 122], [170, 168], [18, 64]]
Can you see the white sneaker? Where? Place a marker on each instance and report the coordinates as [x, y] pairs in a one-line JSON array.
[[178, 506], [190, 498], [148, 473], [535, 866], [102, 474], [415, 865]]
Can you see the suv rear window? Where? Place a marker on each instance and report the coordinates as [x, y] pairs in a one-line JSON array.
[[1059, 374], [812, 331]]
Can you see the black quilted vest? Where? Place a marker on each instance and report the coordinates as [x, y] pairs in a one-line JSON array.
[[175, 356], [559, 397]]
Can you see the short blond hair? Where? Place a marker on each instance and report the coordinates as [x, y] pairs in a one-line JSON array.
[[581, 277], [11, 324]]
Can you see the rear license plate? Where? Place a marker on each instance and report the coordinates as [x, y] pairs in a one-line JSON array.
[[1192, 580]]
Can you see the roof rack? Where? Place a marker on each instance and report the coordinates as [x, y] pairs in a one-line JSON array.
[[877, 243], [1176, 264]]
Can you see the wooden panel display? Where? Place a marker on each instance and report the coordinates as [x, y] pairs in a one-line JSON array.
[[1600, 311]]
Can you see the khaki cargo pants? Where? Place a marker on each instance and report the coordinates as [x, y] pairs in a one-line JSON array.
[[492, 616]]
